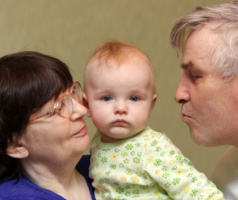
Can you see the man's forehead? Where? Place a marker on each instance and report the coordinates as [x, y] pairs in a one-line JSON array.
[[202, 47], [207, 32], [200, 44]]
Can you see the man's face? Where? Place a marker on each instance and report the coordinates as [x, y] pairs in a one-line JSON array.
[[209, 103]]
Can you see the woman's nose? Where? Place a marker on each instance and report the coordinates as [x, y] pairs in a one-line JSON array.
[[78, 110], [120, 108], [182, 93]]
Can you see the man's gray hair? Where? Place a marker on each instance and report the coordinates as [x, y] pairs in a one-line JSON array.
[[225, 53]]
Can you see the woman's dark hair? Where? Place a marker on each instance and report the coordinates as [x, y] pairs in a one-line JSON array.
[[28, 80]]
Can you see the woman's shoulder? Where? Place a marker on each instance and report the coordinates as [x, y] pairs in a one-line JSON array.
[[24, 189], [83, 165], [12, 188], [83, 168], [85, 160]]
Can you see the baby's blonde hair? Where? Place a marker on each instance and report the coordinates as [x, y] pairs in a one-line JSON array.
[[118, 52]]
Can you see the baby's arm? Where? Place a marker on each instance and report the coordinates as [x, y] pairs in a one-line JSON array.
[[175, 173]]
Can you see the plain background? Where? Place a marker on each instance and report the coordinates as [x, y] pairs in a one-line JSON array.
[[70, 30]]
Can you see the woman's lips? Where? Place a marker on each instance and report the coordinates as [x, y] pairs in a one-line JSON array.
[[82, 132]]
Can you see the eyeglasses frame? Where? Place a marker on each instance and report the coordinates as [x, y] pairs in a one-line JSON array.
[[55, 110]]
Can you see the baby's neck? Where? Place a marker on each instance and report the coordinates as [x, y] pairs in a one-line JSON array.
[[106, 139]]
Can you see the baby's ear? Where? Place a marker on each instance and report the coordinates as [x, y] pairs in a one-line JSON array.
[[153, 102], [17, 150], [85, 104]]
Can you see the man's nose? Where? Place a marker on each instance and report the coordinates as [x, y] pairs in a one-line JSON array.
[[120, 108], [182, 93]]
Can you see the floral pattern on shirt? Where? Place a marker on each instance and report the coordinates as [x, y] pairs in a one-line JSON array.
[[146, 166]]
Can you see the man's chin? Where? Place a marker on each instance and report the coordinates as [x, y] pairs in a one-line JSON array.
[[202, 139]]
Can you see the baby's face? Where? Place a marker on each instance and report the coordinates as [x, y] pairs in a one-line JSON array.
[[120, 99]]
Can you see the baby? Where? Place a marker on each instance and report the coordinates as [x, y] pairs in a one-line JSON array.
[[129, 160]]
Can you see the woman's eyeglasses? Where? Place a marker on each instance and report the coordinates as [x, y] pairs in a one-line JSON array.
[[64, 105]]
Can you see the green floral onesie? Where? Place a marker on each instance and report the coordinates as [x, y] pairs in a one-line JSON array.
[[146, 166]]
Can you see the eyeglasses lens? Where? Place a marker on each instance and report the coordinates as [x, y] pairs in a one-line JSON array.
[[77, 93], [65, 106]]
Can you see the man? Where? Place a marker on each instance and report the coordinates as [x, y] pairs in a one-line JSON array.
[[208, 89]]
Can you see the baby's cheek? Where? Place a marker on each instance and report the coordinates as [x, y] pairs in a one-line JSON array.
[[99, 120], [142, 118]]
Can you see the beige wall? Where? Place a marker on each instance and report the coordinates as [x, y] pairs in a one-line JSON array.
[[70, 29]]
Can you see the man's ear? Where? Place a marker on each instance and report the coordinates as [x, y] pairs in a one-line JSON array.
[[153, 102], [85, 104], [17, 150]]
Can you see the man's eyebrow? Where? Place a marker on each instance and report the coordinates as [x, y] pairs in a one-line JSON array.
[[186, 65]]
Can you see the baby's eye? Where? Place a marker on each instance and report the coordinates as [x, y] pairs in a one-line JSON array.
[[107, 98], [134, 98]]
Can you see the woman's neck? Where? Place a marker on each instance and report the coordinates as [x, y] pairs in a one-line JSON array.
[[65, 181]]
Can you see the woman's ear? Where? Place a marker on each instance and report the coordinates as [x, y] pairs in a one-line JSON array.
[[85, 104], [16, 150]]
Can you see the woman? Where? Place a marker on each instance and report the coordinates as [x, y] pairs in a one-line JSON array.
[[42, 131]]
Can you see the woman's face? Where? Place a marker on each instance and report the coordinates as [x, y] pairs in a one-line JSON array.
[[55, 139]]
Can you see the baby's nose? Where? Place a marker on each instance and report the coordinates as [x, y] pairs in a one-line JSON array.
[[121, 108]]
